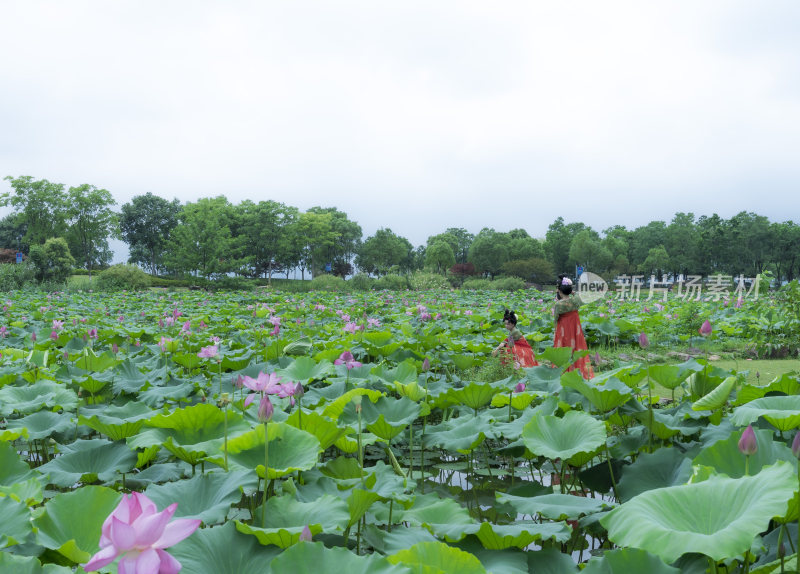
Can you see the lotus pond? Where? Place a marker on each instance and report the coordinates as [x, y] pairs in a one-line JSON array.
[[392, 441]]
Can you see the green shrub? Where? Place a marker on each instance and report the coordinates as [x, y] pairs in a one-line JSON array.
[[122, 276], [361, 282], [421, 280], [14, 276], [508, 284], [328, 283], [392, 282], [226, 283], [79, 271], [476, 284], [52, 261]]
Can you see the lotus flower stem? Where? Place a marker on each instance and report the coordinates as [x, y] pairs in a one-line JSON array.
[[219, 372], [360, 447], [266, 475], [226, 437], [391, 507], [411, 451]]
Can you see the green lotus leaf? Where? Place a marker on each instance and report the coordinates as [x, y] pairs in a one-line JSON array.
[[70, 523], [399, 538], [358, 503], [604, 395], [460, 434], [576, 434], [559, 356], [29, 565], [520, 534], [329, 513], [626, 560], [12, 468], [787, 564], [554, 506], [208, 497], [786, 384], [717, 398], [437, 557], [665, 467], [336, 408], [412, 390], [155, 396], [281, 536], [665, 521], [156, 473], [16, 522], [725, 458], [666, 423], [90, 361], [307, 557], [474, 395], [463, 362], [384, 481], [127, 378], [550, 561], [42, 424], [444, 517], [12, 435], [117, 423], [90, 464], [388, 417], [544, 379], [40, 395], [668, 376], [781, 412], [519, 401], [305, 369], [326, 430], [30, 491], [290, 449], [188, 360], [223, 550]]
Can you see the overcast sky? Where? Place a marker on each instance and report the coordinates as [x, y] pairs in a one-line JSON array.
[[415, 116]]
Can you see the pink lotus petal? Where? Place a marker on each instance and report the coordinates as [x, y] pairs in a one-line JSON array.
[[127, 564], [148, 562], [149, 528], [104, 557], [169, 565], [249, 399], [123, 536], [176, 531]]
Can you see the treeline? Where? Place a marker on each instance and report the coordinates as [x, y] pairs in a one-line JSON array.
[[212, 238]]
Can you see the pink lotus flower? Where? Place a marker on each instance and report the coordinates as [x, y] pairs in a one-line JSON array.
[[33, 337], [520, 387], [738, 304], [3, 331], [350, 328], [264, 383], [347, 360], [305, 535], [92, 333], [796, 445], [208, 352], [705, 329], [265, 409], [137, 533], [54, 336], [426, 365], [57, 325], [748, 444], [644, 342]]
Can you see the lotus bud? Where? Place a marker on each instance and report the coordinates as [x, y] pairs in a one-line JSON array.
[[644, 342], [224, 400], [33, 337], [265, 409], [519, 387], [426, 365], [305, 535], [357, 403], [298, 390], [748, 444], [796, 445], [705, 329]]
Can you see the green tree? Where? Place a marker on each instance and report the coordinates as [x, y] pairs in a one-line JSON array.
[[558, 241], [523, 246], [489, 251], [201, 243], [146, 224], [644, 239], [439, 256], [712, 245], [263, 234], [316, 240], [464, 240], [656, 262], [40, 205], [346, 240], [91, 223], [587, 250], [681, 241], [536, 270], [382, 251], [52, 261], [617, 240], [785, 249], [12, 231]]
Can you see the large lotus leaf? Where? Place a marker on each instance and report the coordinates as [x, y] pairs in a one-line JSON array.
[[305, 369], [668, 376], [399, 538], [322, 427], [474, 395], [574, 434], [519, 401], [70, 523], [29, 565], [308, 557], [664, 467], [155, 396], [156, 473], [31, 398], [724, 456], [554, 506], [388, 417], [42, 424], [718, 517], [329, 512], [128, 378], [223, 550], [90, 361], [667, 423], [95, 462], [208, 497], [462, 434], [413, 391], [12, 467], [781, 412], [30, 491], [290, 449], [544, 379], [281, 536], [436, 558], [513, 430], [604, 395], [550, 561], [336, 408], [444, 517], [521, 534], [626, 560], [117, 422], [716, 398], [358, 503], [405, 373], [786, 384], [16, 522], [189, 433], [559, 356], [386, 483]]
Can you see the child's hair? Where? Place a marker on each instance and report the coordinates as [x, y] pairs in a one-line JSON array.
[[510, 316], [564, 284]]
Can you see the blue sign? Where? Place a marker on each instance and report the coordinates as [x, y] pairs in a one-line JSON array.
[[578, 270], [19, 257], [328, 267]]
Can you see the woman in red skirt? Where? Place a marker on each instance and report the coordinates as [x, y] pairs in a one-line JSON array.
[[569, 332], [515, 343]]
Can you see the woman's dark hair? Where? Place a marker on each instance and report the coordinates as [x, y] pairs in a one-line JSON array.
[[510, 316], [564, 286]]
